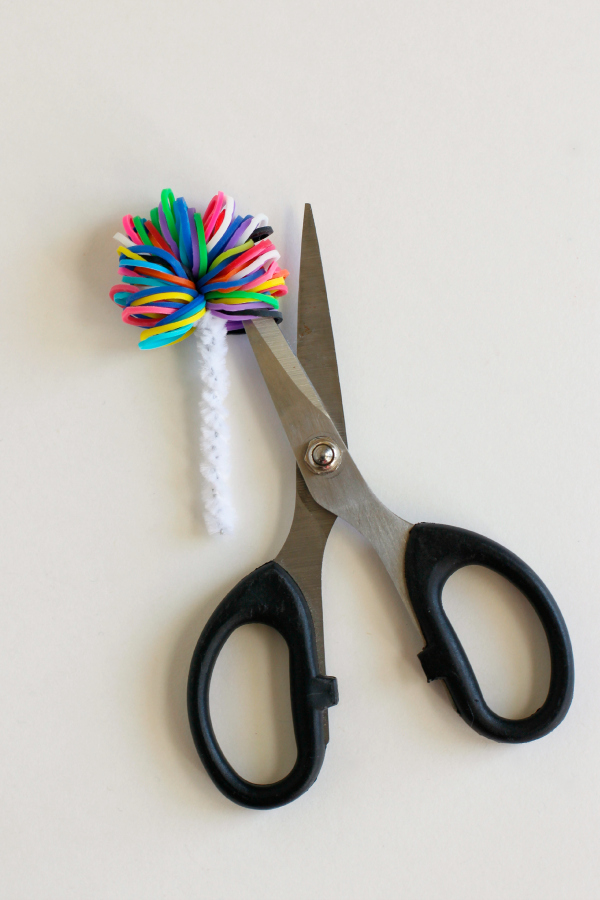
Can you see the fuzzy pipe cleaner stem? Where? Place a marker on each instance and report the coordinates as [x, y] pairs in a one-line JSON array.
[[211, 336]]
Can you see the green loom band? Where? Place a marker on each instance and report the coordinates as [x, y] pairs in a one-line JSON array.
[[233, 251], [202, 251], [167, 199], [155, 220], [143, 234], [246, 296]]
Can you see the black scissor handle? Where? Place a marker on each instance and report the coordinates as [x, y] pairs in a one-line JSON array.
[[267, 596], [433, 554]]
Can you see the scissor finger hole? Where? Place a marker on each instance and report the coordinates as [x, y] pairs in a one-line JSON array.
[[250, 704], [503, 639]]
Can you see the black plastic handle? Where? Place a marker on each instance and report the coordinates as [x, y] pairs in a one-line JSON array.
[[433, 554], [268, 596]]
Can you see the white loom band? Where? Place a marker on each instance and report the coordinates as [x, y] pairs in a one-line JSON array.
[[256, 264], [256, 222], [229, 208], [127, 242]]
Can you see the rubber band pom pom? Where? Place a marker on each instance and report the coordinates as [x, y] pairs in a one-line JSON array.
[[176, 267]]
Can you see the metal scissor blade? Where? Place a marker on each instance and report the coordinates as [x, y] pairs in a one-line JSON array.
[[302, 553], [316, 347], [303, 417]]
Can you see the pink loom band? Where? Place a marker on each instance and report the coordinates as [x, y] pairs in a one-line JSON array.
[[130, 314], [121, 289], [215, 212], [130, 230]]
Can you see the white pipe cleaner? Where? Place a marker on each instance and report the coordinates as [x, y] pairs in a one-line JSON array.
[[211, 337]]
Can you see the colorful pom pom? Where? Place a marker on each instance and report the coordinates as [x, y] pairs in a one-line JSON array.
[[179, 264]]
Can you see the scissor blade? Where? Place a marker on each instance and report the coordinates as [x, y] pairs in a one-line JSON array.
[[316, 347], [303, 417]]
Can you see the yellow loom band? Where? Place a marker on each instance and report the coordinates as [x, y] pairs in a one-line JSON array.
[[234, 250], [127, 252], [162, 329], [266, 285], [172, 295], [176, 341]]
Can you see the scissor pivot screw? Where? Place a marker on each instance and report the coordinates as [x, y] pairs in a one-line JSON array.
[[322, 455]]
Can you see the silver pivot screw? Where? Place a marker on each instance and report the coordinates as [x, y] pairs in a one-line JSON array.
[[322, 456]]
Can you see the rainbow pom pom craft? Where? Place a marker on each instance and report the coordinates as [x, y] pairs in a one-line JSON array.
[[176, 267]]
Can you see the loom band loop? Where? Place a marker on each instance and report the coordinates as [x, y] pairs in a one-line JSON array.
[[221, 268], [128, 278], [164, 230], [167, 278], [254, 281], [174, 326], [215, 306], [146, 270], [227, 254], [224, 224], [142, 263], [167, 202], [236, 266], [222, 243], [130, 231], [255, 223], [185, 294], [241, 296], [202, 251], [252, 260], [141, 230], [166, 256], [195, 242], [217, 224], [157, 239], [171, 297], [128, 253], [234, 240], [142, 314], [213, 210], [120, 287], [154, 218], [258, 280], [152, 343], [274, 282], [188, 313], [260, 262], [231, 285], [184, 237]]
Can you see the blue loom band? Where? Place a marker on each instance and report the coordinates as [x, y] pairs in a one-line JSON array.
[[151, 291], [166, 256], [143, 264], [139, 279], [183, 313], [234, 284], [244, 221], [183, 232], [167, 337], [226, 237], [212, 272]]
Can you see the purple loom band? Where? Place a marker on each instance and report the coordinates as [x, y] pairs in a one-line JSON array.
[[223, 315], [195, 247], [223, 307], [233, 241], [166, 233]]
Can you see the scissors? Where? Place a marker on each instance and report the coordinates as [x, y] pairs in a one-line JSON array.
[[286, 592]]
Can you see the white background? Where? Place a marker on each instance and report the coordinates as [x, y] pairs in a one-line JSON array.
[[450, 151]]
